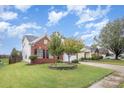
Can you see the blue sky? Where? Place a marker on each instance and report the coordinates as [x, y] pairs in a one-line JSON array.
[[83, 22]]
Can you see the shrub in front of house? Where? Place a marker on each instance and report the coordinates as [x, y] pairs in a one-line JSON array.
[[63, 66], [82, 59], [59, 61], [75, 61], [96, 57], [33, 57]]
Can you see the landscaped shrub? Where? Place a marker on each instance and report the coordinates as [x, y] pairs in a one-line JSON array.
[[82, 59], [63, 66], [59, 61], [100, 57], [75, 61], [96, 57], [33, 57]]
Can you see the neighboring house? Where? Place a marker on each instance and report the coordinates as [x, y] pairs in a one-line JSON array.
[[100, 51], [87, 52], [32, 45]]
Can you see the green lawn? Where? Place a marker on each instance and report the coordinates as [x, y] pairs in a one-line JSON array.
[[38, 76], [121, 85], [111, 61]]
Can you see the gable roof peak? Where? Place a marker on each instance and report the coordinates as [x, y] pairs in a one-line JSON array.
[[30, 38], [45, 35]]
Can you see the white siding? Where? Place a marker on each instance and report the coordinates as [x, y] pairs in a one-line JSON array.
[[65, 57], [26, 50], [82, 55]]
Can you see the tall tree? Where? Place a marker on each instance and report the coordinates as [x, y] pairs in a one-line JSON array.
[[72, 46], [56, 46], [112, 37]]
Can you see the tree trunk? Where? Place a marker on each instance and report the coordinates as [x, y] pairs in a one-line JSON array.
[[77, 56], [69, 58], [54, 59], [116, 56]]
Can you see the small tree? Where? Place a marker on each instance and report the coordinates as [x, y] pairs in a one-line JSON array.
[[14, 52], [78, 46], [72, 46], [55, 45], [15, 56]]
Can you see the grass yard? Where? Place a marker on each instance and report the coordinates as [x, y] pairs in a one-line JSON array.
[[20, 75], [111, 61], [121, 85]]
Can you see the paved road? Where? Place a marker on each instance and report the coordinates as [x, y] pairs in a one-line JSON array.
[[110, 81]]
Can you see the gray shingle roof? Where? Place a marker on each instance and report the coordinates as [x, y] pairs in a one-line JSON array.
[[30, 38]]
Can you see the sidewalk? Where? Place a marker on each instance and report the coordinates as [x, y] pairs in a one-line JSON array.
[[111, 81]]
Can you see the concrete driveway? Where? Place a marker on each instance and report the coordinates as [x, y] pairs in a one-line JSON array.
[[111, 81], [108, 66]]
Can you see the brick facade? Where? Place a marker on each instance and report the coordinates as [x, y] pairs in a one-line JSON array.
[[40, 45]]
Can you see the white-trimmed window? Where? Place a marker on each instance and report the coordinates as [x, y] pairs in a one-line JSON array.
[[39, 52]]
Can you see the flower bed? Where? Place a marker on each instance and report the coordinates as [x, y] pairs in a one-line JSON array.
[[63, 66]]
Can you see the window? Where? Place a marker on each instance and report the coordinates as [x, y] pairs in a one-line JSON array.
[[45, 41], [43, 53], [39, 52], [35, 52], [47, 54]]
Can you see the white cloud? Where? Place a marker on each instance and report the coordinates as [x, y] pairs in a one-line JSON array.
[[98, 25], [86, 36], [93, 30], [76, 9], [10, 30], [4, 26], [88, 15], [20, 30], [8, 15], [23, 8], [76, 33], [54, 17], [84, 14]]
